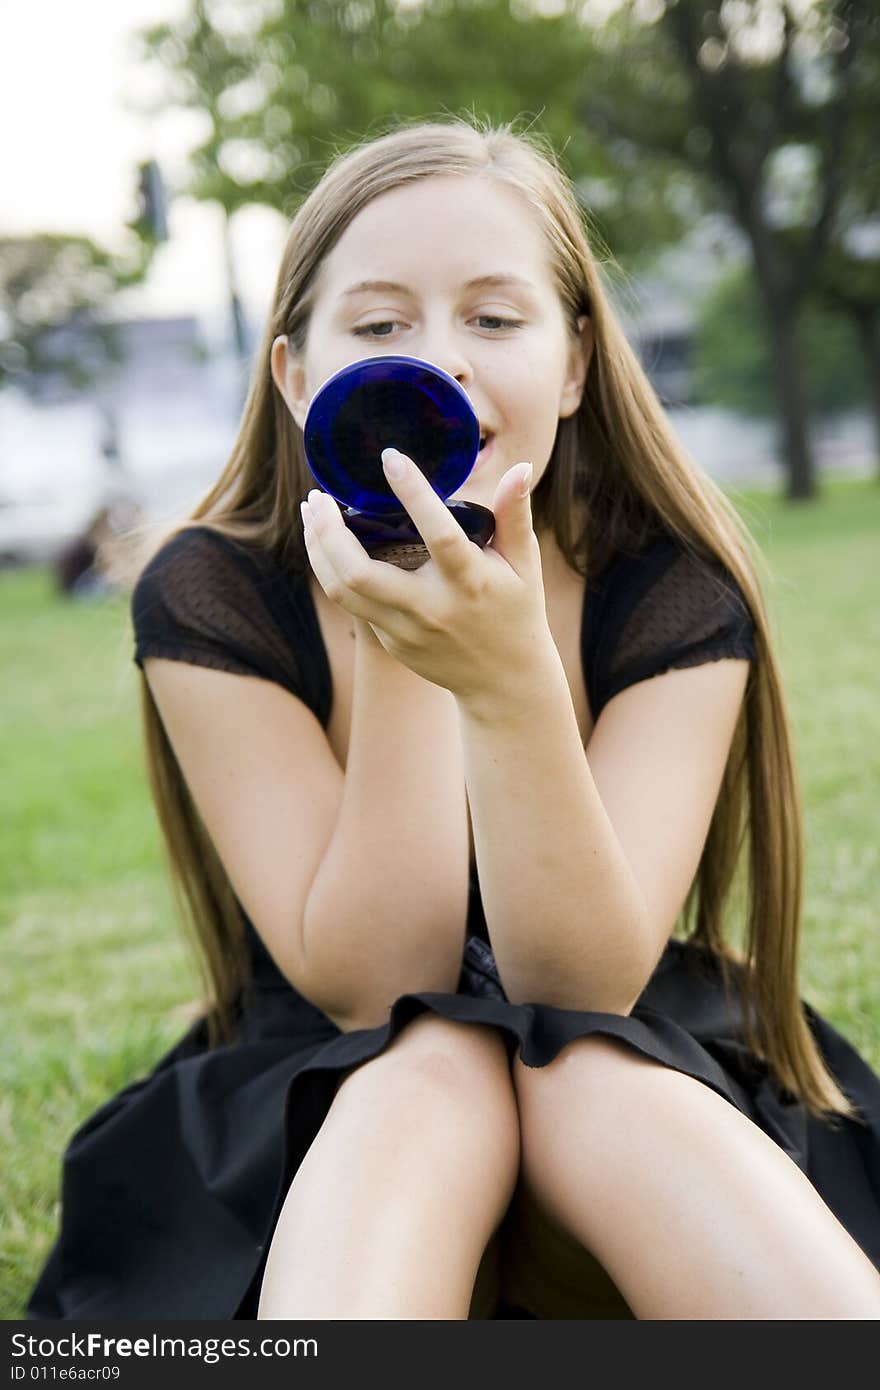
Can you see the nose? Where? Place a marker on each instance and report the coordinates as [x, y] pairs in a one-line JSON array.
[[442, 345]]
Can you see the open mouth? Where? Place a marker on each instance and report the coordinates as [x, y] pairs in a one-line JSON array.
[[485, 441]]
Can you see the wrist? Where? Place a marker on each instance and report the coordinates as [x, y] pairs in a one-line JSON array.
[[364, 633], [374, 663], [540, 681]]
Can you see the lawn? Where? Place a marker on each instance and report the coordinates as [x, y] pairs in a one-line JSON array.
[[97, 979]]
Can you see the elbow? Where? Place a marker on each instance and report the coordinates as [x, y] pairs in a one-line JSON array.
[[356, 984], [585, 1000], [628, 988], [356, 1023], [613, 988], [626, 978], [332, 989], [353, 1011], [333, 996]]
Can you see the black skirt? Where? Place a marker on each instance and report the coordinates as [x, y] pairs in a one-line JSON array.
[[171, 1191]]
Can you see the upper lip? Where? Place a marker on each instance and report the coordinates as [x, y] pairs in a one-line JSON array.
[[485, 431]]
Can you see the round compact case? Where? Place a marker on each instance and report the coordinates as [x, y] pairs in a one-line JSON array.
[[401, 403]]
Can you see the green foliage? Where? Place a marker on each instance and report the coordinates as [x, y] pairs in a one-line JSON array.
[[659, 113], [772, 109], [285, 87], [732, 359], [55, 290]]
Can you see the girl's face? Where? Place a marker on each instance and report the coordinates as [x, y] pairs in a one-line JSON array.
[[434, 244]]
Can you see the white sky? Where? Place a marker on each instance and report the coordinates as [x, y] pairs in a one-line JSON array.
[[71, 143]]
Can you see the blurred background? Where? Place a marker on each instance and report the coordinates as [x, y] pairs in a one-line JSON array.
[[725, 154], [726, 159]]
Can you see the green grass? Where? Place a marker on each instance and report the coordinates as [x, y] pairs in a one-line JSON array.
[[824, 601], [97, 981]]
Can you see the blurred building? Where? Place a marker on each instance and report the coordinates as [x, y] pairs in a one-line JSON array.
[[155, 427]]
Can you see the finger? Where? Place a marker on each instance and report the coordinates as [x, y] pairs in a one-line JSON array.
[[511, 505], [446, 542], [343, 568], [326, 571], [323, 570]]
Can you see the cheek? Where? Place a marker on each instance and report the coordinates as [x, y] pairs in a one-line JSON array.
[[528, 382], [514, 391], [533, 410]]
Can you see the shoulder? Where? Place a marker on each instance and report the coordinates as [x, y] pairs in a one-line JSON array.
[[211, 600], [669, 577], [194, 552], [199, 566], [635, 570], [663, 605]]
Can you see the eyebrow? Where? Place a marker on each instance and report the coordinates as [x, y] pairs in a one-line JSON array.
[[479, 282]]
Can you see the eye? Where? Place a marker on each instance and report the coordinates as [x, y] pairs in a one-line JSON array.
[[365, 330], [505, 323], [501, 324]]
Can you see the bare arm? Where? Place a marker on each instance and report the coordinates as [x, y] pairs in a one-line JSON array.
[[585, 861], [563, 910], [387, 908], [357, 882]]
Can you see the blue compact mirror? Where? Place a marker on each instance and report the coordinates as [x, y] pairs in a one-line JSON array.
[[407, 404]]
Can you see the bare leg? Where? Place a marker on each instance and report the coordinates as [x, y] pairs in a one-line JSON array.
[[392, 1207], [693, 1211]]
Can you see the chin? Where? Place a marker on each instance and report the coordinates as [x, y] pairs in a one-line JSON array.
[[474, 499], [479, 490]]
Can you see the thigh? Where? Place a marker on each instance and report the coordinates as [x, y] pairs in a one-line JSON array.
[[463, 1073], [693, 1208], [546, 1270], [545, 1267], [595, 1074], [590, 1097], [459, 1073]]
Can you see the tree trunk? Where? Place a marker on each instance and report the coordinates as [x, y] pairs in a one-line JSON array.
[[868, 325], [239, 329], [801, 482]]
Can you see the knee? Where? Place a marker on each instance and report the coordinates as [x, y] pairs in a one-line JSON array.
[[453, 1054], [439, 1071]]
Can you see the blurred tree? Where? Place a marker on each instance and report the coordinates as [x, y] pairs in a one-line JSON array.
[[767, 101], [285, 84], [849, 283], [54, 292], [662, 111], [152, 221], [732, 360], [847, 278]]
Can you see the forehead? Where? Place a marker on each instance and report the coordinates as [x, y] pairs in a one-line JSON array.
[[443, 230]]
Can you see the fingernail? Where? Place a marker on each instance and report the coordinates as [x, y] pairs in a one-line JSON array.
[[525, 481], [393, 462]]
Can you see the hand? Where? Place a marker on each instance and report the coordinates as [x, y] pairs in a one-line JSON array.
[[472, 620]]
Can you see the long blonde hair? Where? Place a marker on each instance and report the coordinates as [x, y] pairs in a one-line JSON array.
[[637, 475]]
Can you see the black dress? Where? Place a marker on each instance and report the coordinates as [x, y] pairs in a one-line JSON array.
[[172, 1189]]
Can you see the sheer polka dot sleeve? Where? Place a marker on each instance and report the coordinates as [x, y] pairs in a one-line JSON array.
[[661, 610], [206, 599]]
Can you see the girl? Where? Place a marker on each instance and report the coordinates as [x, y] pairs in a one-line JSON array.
[[436, 828]]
